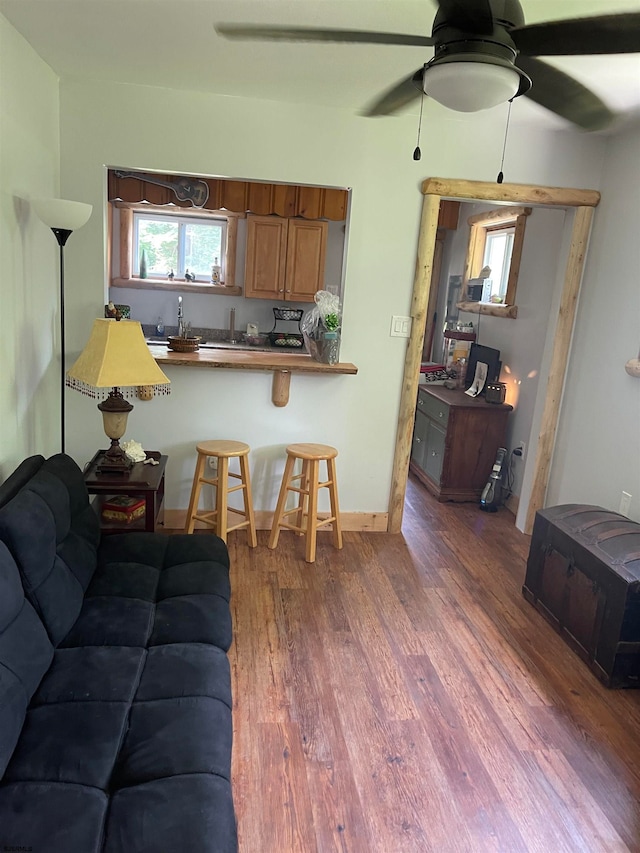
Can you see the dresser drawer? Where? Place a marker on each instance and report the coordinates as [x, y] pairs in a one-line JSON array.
[[432, 408]]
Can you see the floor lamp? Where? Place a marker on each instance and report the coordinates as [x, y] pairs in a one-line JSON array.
[[63, 217]]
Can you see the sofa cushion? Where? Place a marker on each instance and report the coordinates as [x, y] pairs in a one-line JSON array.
[[52, 533], [19, 478], [168, 814], [69, 817], [25, 655], [150, 590]]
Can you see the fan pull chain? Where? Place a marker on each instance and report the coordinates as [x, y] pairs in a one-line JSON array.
[[500, 177], [417, 154]]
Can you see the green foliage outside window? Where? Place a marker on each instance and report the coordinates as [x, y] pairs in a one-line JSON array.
[[179, 245]]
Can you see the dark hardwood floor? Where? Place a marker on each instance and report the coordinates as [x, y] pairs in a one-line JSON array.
[[400, 695]]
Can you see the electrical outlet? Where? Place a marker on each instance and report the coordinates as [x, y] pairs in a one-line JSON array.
[[213, 463], [522, 447], [625, 503], [400, 327]]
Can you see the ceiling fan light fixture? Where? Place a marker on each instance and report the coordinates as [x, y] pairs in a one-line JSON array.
[[469, 86]]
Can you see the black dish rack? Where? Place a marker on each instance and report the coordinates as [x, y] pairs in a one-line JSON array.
[[282, 338]]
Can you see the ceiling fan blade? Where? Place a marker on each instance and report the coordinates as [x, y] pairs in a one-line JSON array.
[[564, 96], [257, 32], [580, 36], [472, 16], [398, 96]]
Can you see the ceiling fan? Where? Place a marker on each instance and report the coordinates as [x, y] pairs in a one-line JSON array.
[[486, 55]]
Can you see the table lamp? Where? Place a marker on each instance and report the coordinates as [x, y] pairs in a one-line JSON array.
[[116, 357]]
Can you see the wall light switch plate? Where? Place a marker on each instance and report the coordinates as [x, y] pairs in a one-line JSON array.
[[400, 327]]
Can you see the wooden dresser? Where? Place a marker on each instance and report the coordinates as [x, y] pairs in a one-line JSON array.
[[455, 440]]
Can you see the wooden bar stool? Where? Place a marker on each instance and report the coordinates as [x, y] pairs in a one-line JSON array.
[[223, 450], [306, 485]]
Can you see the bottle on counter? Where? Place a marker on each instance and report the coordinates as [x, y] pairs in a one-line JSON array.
[[215, 272]]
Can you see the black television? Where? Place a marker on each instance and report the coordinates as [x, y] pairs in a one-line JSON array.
[[488, 356]]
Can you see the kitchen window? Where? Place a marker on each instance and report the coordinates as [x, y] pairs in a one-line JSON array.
[[181, 245], [170, 243]]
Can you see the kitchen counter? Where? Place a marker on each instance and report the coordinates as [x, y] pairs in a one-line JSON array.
[[282, 364]]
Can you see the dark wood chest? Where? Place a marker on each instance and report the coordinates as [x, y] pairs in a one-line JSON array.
[[583, 575]]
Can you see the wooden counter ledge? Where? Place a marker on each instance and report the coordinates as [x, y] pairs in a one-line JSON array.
[[282, 364]]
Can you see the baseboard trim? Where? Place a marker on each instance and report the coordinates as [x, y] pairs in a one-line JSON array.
[[371, 522], [512, 503]]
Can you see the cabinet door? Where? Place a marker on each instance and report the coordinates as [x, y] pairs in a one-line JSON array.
[[266, 257], [306, 251], [434, 451], [419, 444]]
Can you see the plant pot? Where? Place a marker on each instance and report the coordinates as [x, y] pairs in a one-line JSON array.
[[324, 346]]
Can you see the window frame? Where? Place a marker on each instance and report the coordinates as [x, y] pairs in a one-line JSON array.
[[182, 223], [127, 278], [481, 224], [499, 286]]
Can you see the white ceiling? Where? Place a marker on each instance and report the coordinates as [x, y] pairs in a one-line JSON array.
[[172, 43]]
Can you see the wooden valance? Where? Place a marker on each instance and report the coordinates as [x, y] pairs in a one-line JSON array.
[[238, 196]]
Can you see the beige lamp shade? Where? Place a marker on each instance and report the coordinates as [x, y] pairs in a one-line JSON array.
[[116, 356]]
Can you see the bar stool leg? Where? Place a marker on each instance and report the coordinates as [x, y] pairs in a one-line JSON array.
[[303, 497], [248, 501], [222, 498], [333, 498], [312, 515], [195, 493], [282, 499]]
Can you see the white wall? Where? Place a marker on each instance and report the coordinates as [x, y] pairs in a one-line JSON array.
[[29, 167], [268, 141], [598, 444]]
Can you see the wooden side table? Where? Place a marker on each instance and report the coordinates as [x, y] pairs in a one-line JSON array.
[[146, 481]]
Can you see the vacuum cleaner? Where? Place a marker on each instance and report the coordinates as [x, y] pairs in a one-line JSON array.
[[491, 496]]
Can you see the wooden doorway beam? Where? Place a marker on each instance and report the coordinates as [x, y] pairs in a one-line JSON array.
[[434, 189]]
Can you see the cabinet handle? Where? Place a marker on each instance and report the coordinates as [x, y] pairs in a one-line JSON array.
[[440, 414], [433, 453], [418, 440]]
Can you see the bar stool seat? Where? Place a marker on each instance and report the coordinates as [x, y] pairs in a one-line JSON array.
[[307, 485], [223, 450]]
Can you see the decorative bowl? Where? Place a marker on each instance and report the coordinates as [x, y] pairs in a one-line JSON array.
[[255, 340], [179, 344]]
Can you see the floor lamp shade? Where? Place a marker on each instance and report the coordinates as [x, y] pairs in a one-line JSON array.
[[62, 214], [116, 357]]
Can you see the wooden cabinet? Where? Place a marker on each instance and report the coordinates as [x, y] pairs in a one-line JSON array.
[[455, 440], [285, 258]]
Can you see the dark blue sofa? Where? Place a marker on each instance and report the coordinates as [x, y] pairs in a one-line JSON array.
[[115, 691]]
